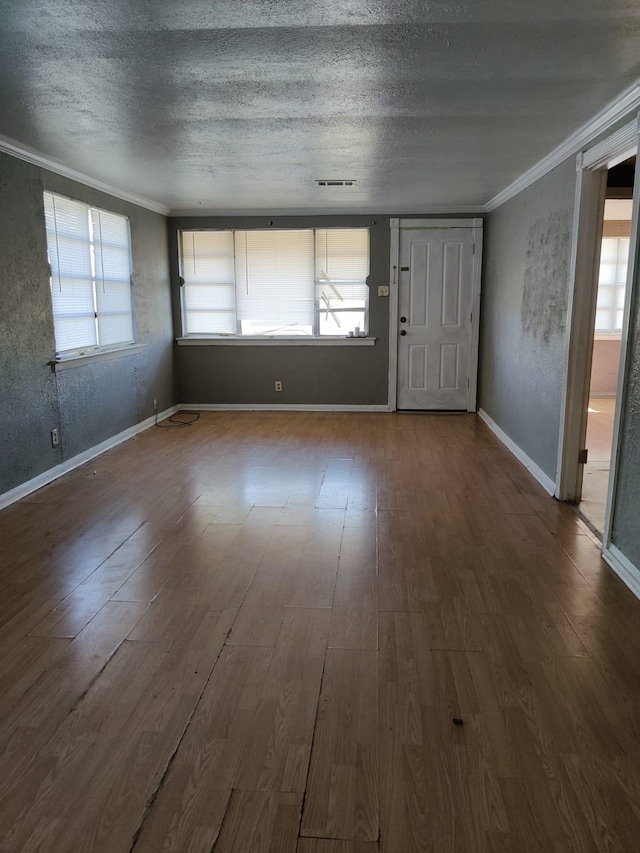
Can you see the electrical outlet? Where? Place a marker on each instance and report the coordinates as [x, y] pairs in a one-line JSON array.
[[155, 406], [278, 385], [383, 290], [55, 438]]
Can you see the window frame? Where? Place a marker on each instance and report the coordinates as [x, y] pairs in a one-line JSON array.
[[614, 289], [95, 247], [188, 338]]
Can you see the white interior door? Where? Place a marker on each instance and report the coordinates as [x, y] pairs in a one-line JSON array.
[[435, 300]]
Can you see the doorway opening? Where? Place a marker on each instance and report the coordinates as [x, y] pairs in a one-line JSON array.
[[606, 343]]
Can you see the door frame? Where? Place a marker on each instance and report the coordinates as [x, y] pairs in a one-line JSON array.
[[592, 166], [396, 226]]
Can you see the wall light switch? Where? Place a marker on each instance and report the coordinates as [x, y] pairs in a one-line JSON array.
[[383, 290]]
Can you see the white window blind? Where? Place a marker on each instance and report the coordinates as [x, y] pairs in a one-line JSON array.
[[112, 277], [71, 277], [275, 282], [342, 267], [209, 297], [612, 284], [90, 259]]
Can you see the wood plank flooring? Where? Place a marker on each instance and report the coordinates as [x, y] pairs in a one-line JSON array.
[[253, 634]]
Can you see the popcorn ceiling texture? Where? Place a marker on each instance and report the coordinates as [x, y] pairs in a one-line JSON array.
[[240, 106]]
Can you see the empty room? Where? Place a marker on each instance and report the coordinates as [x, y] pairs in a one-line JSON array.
[[304, 312]]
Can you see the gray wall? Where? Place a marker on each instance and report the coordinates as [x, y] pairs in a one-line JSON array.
[[625, 532], [524, 313], [523, 338], [322, 375], [95, 401], [28, 399]]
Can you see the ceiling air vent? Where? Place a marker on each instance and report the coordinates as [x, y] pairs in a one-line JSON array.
[[333, 183]]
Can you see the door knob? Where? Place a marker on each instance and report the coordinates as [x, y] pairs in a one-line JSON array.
[[403, 332]]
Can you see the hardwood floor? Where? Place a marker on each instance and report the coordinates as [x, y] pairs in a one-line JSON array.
[[254, 634]]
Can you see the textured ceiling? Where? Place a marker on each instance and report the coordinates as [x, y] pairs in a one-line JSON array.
[[240, 105]]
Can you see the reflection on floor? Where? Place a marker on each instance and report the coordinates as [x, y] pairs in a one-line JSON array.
[[596, 471], [260, 634]]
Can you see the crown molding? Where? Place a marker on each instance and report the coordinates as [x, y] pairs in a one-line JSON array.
[[15, 149], [620, 108], [624, 105], [617, 145], [274, 213]]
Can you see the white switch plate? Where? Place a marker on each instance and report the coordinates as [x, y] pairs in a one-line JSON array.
[[383, 290]]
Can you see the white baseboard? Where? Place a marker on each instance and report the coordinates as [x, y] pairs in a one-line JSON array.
[[623, 567], [52, 474], [283, 407], [545, 481]]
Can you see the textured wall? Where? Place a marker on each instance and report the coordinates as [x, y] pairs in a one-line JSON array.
[[321, 375], [98, 400], [93, 401], [626, 517], [524, 313], [28, 403]]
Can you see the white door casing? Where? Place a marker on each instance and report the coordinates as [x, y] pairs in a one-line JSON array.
[[437, 271], [591, 165]]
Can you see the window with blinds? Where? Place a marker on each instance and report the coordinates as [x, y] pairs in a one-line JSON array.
[[90, 260], [612, 284], [309, 282], [342, 267]]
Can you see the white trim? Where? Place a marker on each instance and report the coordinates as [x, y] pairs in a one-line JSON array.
[[478, 235], [631, 295], [621, 144], [581, 307], [274, 213], [394, 277], [476, 226], [545, 481], [623, 567], [66, 362], [436, 224], [585, 252], [620, 158], [247, 341], [284, 407], [625, 103], [52, 474], [22, 152]]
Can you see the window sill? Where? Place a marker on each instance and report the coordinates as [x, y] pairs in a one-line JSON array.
[[65, 363], [247, 341], [607, 336]]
